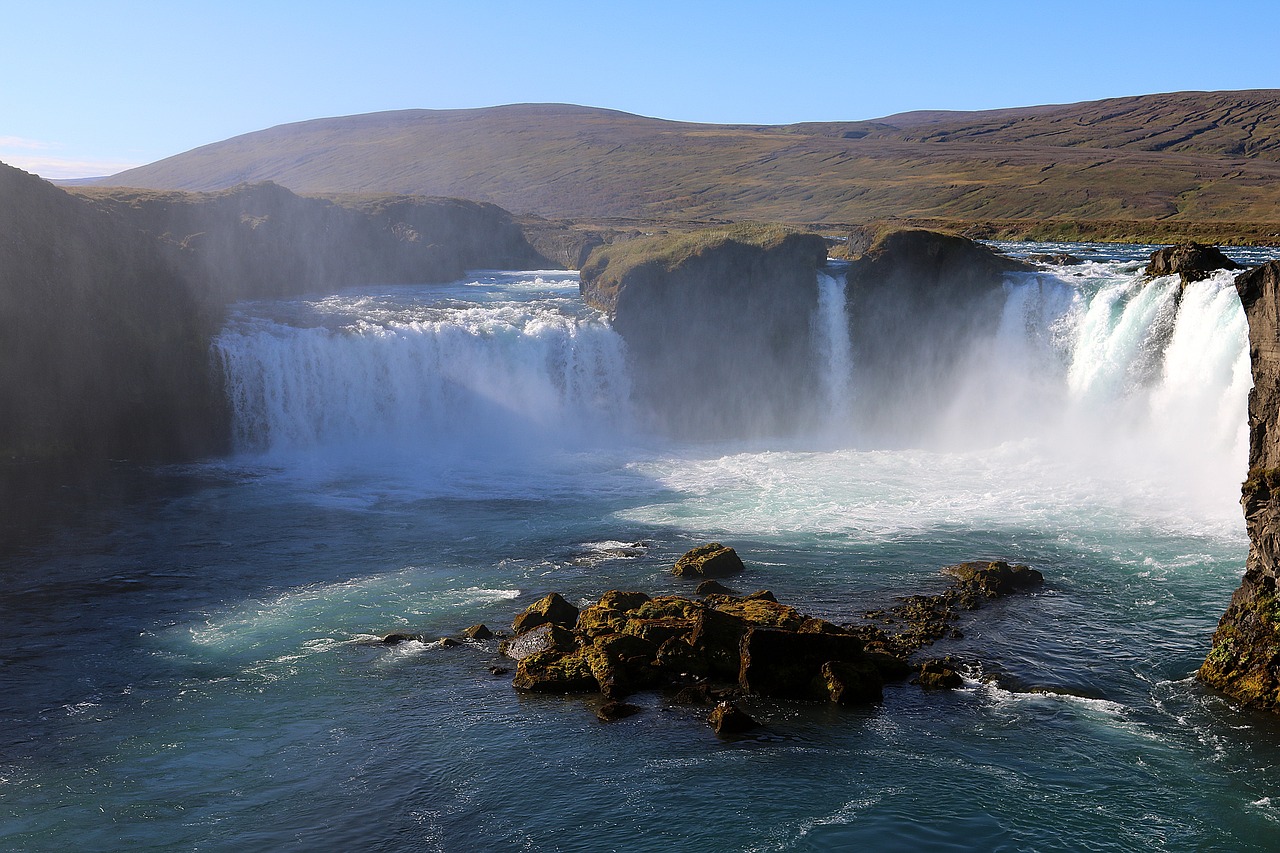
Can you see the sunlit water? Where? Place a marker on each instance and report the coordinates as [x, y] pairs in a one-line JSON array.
[[194, 670]]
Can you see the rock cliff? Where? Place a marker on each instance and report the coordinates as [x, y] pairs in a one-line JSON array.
[[1192, 261], [109, 298], [1244, 660], [717, 324], [917, 300]]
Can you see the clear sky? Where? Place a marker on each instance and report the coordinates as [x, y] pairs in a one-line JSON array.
[[89, 88]]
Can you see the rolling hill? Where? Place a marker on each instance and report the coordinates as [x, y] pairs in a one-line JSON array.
[[1184, 157]]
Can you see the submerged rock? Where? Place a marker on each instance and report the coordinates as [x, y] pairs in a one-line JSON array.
[[712, 560], [612, 711], [921, 619], [1059, 259], [727, 719], [396, 639], [711, 587], [1192, 261], [478, 632]]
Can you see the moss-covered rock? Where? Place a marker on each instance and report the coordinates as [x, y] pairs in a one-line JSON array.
[[550, 608], [712, 560], [552, 671], [940, 674], [993, 578]]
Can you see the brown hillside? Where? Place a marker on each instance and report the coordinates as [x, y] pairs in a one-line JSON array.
[[1189, 156]]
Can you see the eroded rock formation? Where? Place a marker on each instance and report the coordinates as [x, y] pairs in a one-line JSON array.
[[109, 298], [1192, 261], [717, 324], [1244, 660]]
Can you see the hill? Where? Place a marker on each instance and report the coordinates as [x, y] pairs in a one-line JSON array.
[[1192, 157]]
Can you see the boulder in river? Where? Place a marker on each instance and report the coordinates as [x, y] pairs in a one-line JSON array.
[[1192, 261], [712, 560], [727, 719]]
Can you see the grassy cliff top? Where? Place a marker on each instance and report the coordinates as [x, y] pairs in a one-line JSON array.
[[609, 268], [669, 251]]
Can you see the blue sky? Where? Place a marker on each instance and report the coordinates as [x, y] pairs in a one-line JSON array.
[[94, 87]]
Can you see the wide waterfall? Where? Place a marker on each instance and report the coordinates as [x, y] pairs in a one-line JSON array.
[[476, 369], [421, 459]]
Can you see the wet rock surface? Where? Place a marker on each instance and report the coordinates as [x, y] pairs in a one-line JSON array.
[[712, 560], [1244, 659], [727, 647], [1192, 261]]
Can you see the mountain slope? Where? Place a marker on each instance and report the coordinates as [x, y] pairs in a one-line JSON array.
[[1190, 156]]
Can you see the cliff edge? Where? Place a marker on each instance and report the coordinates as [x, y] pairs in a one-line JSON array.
[[716, 323], [1244, 660], [109, 298]]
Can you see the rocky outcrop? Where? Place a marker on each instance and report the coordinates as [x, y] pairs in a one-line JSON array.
[[1244, 659], [1191, 261], [103, 338], [918, 621], [628, 641], [109, 298], [712, 560], [917, 300], [717, 324], [550, 608], [261, 241]]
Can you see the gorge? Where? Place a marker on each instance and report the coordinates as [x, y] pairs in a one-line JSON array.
[[414, 456]]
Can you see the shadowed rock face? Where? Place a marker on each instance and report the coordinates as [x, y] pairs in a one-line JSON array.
[[1191, 261], [103, 343], [916, 302], [720, 324], [717, 324], [1244, 660], [109, 300]]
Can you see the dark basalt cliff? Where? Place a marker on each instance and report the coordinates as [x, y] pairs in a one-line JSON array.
[[717, 324], [109, 299], [1244, 660], [917, 300]]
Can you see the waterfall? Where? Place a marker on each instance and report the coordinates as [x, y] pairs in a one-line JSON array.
[[1096, 363], [833, 351], [461, 377]]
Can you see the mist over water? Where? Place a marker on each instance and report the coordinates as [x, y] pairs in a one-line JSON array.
[[424, 458]]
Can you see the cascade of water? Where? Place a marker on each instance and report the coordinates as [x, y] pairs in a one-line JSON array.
[[480, 376], [834, 353]]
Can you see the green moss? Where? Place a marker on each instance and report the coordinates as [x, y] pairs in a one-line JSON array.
[[669, 251], [1261, 483]]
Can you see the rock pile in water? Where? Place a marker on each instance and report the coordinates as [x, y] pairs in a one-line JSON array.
[[725, 646]]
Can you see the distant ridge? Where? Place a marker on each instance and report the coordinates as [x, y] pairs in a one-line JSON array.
[[1200, 156]]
